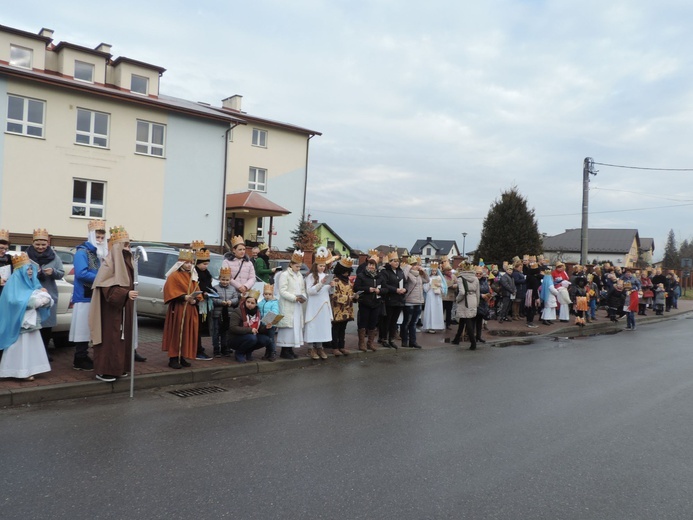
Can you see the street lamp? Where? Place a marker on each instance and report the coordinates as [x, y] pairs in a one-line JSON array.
[[464, 239]]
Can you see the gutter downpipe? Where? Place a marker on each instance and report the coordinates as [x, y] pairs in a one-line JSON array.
[[305, 183]]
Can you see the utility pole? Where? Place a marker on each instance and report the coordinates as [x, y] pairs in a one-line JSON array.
[[587, 169]]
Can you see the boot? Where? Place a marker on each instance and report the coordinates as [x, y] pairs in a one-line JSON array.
[[321, 353], [336, 352], [313, 354], [344, 351], [370, 344], [362, 340]]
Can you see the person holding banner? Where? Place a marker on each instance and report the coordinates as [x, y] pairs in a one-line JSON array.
[[111, 311]]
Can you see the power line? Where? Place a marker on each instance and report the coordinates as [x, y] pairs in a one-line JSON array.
[[643, 194], [643, 168]]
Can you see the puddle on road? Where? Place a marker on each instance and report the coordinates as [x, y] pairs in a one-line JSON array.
[[587, 336]]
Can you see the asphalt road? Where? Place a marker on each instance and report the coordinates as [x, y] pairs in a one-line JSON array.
[[597, 428]]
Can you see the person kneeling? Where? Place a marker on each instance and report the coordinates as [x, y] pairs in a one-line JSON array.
[[246, 330]]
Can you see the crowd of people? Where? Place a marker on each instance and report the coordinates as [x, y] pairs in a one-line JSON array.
[[396, 298]]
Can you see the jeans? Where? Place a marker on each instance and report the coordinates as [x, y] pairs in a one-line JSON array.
[[220, 340], [630, 320], [246, 343], [408, 329], [593, 308]]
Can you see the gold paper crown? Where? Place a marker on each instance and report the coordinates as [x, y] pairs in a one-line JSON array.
[[373, 252], [414, 260], [41, 234], [516, 259], [297, 256], [466, 266], [323, 256], [237, 241], [532, 258], [118, 234], [525, 257], [186, 255], [263, 247], [203, 255], [268, 287], [97, 225], [225, 271], [4, 235], [253, 293], [197, 245], [434, 264], [20, 260], [347, 262], [446, 266], [392, 256]]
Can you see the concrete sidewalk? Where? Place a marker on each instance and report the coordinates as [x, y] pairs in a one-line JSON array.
[[63, 382]]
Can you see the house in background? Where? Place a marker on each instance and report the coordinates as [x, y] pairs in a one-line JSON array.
[[430, 249], [647, 248], [621, 247], [330, 239], [386, 250], [86, 135]]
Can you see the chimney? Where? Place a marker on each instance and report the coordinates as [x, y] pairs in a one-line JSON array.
[[48, 33], [104, 47], [232, 103], [429, 239]]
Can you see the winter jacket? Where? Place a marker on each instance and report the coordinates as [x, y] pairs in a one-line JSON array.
[[414, 285], [467, 306], [391, 281], [228, 293], [364, 281], [86, 265], [507, 285], [616, 298], [246, 276]]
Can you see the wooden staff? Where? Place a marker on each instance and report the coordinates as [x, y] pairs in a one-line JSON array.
[[139, 251]]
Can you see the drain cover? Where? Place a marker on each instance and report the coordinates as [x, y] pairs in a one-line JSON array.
[[191, 392]]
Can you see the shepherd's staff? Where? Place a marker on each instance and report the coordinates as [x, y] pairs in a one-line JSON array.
[[139, 251], [185, 307]]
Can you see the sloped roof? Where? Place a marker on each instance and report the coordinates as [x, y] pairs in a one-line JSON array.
[[442, 247], [253, 201], [401, 251], [647, 244], [598, 241]]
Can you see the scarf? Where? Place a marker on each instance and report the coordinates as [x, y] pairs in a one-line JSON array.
[[41, 258], [251, 319]]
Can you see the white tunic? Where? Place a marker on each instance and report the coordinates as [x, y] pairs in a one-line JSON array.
[[79, 328], [318, 317], [25, 357], [290, 332], [432, 317]]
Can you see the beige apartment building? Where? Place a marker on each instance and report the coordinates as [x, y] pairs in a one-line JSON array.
[[86, 135]]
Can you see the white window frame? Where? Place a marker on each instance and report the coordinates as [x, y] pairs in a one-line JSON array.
[[146, 84], [149, 145], [259, 138], [253, 183], [18, 48], [91, 134], [93, 68], [87, 204], [26, 124]]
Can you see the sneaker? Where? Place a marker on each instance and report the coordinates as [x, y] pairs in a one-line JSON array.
[[240, 358], [184, 362], [203, 357], [83, 363], [105, 378], [532, 326]]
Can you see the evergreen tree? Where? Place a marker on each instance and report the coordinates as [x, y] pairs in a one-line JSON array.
[[686, 249], [304, 236], [671, 254], [510, 229]]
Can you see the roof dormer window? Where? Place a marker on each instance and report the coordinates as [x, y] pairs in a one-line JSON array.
[[21, 56], [84, 71], [139, 84]]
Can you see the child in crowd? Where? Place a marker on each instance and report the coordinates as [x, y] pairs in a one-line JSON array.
[[564, 300], [632, 304], [223, 305], [269, 304], [659, 299]]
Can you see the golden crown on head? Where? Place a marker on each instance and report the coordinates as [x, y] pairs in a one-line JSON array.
[[4, 235], [434, 264], [347, 262], [237, 241], [253, 293], [203, 255], [414, 260], [186, 255], [41, 234], [225, 271], [373, 252], [97, 225], [392, 256], [297, 256], [197, 244], [268, 287], [118, 234], [263, 247], [323, 256], [20, 260]]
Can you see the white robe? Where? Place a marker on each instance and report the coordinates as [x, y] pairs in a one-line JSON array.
[[432, 317], [25, 357], [290, 285], [549, 312], [318, 317], [79, 328]]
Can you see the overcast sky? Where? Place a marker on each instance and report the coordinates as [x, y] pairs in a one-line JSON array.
[[429, 110]]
